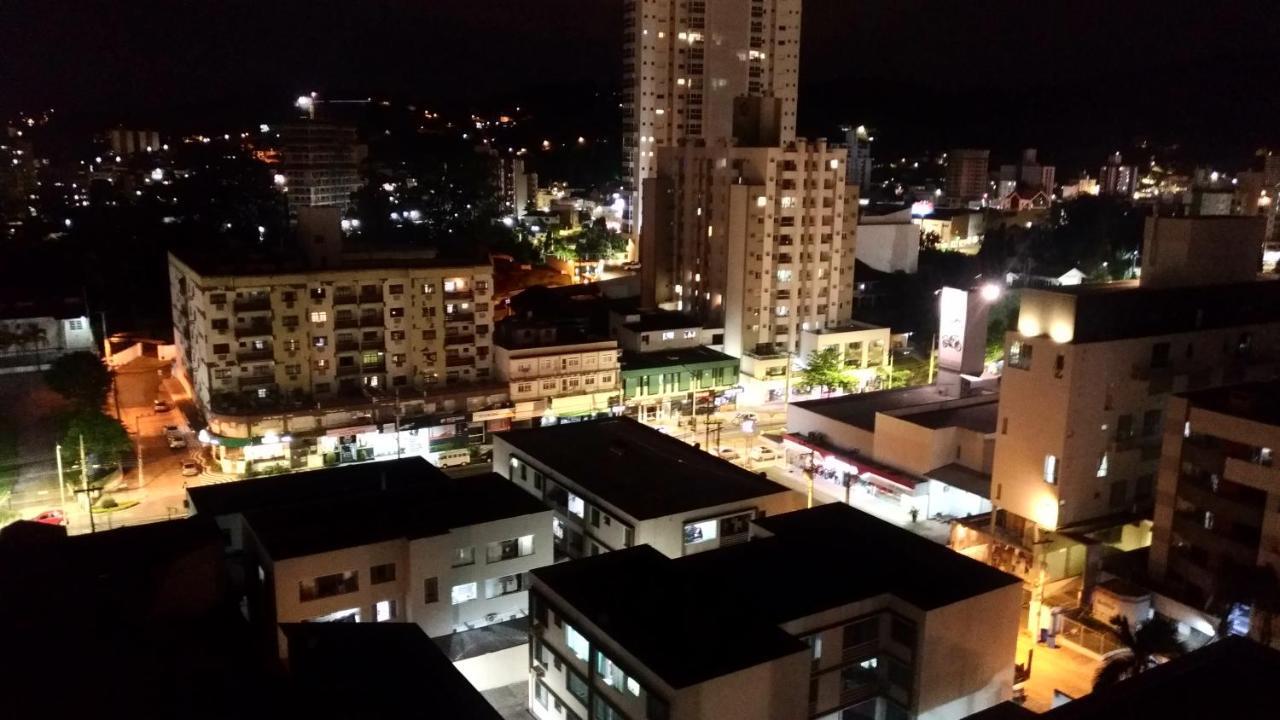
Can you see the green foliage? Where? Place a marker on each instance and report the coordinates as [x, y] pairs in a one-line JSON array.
[[1099, 235], [825, 369], [1001, 318], [591, 242], [104, 437], [1157, 636], [82, 378]]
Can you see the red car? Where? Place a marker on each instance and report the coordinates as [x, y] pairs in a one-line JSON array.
[[51, 517]]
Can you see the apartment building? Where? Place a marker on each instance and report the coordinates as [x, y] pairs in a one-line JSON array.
[[616, 483], [394, 542], [258, 340], [967, 176], [685, 62], [1217, 492], [556, 372], [320, 163], [757, 239], [909, 630]]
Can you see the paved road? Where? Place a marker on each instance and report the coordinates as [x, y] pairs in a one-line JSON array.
[[1054, 669]]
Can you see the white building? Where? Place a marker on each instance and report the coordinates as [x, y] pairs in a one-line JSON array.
[[33, 334], [548, 376], [393, 542], [888, 242], [904, 629], [617, 483], [685, 62]]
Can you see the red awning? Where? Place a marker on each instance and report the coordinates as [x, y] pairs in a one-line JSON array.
[[870, 470]]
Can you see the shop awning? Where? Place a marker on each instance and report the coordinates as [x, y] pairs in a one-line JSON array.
[[869, 470]]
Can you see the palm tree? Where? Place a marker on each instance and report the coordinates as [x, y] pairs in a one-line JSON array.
[[1157, 636]]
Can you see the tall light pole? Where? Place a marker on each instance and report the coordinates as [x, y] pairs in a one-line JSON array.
[[62, 486]]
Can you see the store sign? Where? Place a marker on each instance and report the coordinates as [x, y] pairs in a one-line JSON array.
[[353, 430], [952, 320], [485, 415]]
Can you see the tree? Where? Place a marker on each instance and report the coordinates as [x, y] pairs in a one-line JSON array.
[[82, 378], [930, 240], [1155, 637], [825, 369], [104, 437]]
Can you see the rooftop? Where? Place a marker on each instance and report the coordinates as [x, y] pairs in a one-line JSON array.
[[640, 599], [338, 666], [1122, 310], [699, 355], [225, 263], [638, 470], [980, 417], [435, 507], [1256, 401], [860, 409], [274, 490], [662, 320]]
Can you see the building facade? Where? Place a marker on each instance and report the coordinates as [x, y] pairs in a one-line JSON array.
[[759, 239], [320, 163], [547, 377], [685, 62], [967, 171]]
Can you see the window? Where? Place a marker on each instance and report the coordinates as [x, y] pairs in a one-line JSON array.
[[902, 631], [540, 694], [317, 293], [690, 334], [384, 611], [396, 312], [509, 549], [397, 336], [577, 686], [595, 517], [704, 531], [1151, 423], [329, 586], [899, 672], [1160, 355], [428, 288], [322, 364], [218, 298], [859, 675], [861, 632], [221, 348], [1102, 466], [464, 556], [222, 373], [1051, 469], [218, 324], [320, 341], [578, 645], [614, 677], [465, 592], [1117, 494], [505, 585], [396, 289], [1020, 355], [382, 574], [431, 590], [577, 506], [319, 316], [669, 335]]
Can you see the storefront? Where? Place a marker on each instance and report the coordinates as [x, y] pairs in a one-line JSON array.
[[846, 473]]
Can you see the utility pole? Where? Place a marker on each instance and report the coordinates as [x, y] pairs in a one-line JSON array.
[[84, 485], [932, 340], [62, 486]]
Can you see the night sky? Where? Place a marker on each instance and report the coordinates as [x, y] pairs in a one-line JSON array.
[[1060, 74]]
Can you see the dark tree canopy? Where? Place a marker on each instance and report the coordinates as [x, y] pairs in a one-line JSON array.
[[82, 378]]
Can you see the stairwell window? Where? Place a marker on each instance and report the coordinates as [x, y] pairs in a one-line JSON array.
[[1051, 469]]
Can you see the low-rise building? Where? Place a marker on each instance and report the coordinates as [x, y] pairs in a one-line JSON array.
[[555, 372], [393, 542], [617, 483], [1217, 494], [888, 239], [864, 348], [908, 630], [35, 333]]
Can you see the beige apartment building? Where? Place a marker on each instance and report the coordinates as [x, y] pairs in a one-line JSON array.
[[554, 376], [759, 239], [685, 62], [638, 635], [1217, 493], [320, 163]]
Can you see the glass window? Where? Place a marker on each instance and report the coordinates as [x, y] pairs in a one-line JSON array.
[[577, 686], [899, 672], [1051, 469], [614, 677], [577, 506], [319, 316], [382, 573], [902, 631], [465, 592], [384, 611], [701, 532], [329, 585], [576, 642], [509, 549], [505, 585], [464, 556], [860, 632]]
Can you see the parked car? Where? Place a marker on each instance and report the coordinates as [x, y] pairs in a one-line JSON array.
[[161, 406], [190, 468], [51, 517], [174, 437], [728, 454], [763, 453]]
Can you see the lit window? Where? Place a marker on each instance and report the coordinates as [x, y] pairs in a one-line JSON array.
[[669, 335], [578, 645], [577, 506], [1051, 469], [690, 334], [319, 316], [465, 592], [1102, 466], [701, 532]]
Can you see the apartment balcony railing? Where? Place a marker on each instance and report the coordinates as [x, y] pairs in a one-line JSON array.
[[346, 323], [450, 340], [467, 294], [459, 317], [252, 304], [347, 370], [379, 344], [256, 381], [255, 355], [377, 367], [368, 297], [344, 299], [255, 329], [347, 345], [460, 361], [371, 320]]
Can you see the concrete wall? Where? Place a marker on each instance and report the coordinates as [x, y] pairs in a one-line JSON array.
[[967, 653], [889, 247], [843, 435], [1201, 250], [497, 669], [770, 691]]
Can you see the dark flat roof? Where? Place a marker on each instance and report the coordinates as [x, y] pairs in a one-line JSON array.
[[662, 320], [315, 526], [979, 417], [646, 602], [682, 629], [1256, 401], [967, 479], [1121, 310], [273, 490], [638, 470], [860, 409], [378, 670], [223, 263], [666, 358]]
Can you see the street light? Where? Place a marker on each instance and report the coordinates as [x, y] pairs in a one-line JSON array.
[[991, 292]]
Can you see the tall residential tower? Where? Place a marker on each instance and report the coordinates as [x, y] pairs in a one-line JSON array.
[[684, 61]]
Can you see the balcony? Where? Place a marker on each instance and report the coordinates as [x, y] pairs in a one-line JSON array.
[[255, 355], [370, 297], [378, 367], [379, 344], [256, 381], [344, 299], [459, 340], [346, 323], [371, 320], [347, 371], [254, 329], [252, 304], [465, 294], [347, 345], [456, 317], [460, 361]]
